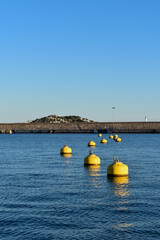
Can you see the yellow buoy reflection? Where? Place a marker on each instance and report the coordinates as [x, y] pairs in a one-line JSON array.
[[94, 170], [120, 180], [67, 155], [122, 226], [92, 146], [120, 185]]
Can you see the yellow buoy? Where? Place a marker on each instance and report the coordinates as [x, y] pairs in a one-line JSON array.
[[115, 136], [99, 135], [111, 136], [92, 159], [66, 150], [117, 168], [118, 139], [91, 144], [10, 131], [103, 140]]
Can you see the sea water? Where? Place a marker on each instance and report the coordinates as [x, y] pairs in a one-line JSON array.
[[46, 196]]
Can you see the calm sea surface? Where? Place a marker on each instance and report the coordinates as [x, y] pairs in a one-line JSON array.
[[46, 196]]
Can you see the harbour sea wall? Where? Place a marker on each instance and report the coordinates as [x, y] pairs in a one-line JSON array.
[[96, 127]]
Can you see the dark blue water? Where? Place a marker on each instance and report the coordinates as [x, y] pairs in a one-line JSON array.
[[46, 196]]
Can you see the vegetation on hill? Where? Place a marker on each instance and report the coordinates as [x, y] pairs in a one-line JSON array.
[[60, 119]]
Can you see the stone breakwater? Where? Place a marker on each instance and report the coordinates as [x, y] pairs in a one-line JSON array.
[[104, 127]]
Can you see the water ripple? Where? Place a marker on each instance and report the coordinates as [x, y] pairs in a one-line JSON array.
[[45, 196]]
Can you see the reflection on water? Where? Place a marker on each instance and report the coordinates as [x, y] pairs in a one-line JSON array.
[[94, 171], [45, 195], [120, 186], [122, 226], [67, 157]]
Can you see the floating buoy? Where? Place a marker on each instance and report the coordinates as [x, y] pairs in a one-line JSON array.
[[103, 140], [117, 168], [92, 159], [115, 136], [118, 139], [111, 136], [66, 150], [91, 144], [99, 135]]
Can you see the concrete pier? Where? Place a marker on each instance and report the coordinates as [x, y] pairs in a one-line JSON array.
[[104, 127]]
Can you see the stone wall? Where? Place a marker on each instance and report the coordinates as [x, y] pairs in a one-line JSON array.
[[121, 127]]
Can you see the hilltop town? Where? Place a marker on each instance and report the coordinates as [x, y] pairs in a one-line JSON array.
[[62, 119]]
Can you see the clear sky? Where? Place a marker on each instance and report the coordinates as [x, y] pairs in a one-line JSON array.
[[80, 57]]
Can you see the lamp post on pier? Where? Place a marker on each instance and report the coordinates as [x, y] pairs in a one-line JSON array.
[[113, 108]]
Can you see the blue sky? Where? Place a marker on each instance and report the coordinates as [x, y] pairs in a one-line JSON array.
[[80, 57]]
